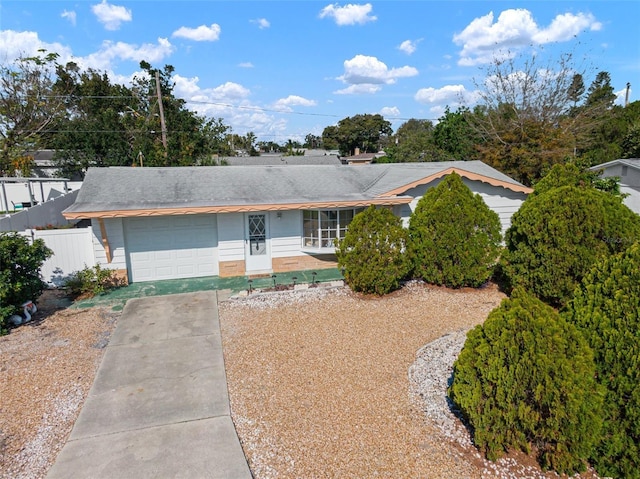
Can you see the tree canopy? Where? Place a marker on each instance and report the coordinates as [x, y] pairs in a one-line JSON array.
[[368, 133]]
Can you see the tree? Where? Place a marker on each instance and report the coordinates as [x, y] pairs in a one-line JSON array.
[[27, 106], [366, 132], [454, 135], [312, 141], [631, 141], [557, 236], [606, 308], [600, 91], [112, 125], [20, 263], [413, 141], [372, 252], [527, 118], [454, 237], [526, 378], [576, 89], [94, 133]]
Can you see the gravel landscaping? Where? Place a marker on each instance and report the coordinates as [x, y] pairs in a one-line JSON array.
[[47, 367], [323, 383], [328, 383]]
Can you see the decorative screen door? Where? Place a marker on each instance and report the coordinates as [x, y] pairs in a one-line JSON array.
[[257, 255]]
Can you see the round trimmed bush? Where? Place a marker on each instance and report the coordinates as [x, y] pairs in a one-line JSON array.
[[557, 236], [606, 307], [372, 252], [526, 378], [454, 237], [20, 263]]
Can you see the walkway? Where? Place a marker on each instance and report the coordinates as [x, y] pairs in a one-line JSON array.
[[159, 405], [116, 299]]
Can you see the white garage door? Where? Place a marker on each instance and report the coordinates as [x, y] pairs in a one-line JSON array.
[[171, 247]]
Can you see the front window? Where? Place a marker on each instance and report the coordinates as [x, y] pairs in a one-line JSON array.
[[322, 227]]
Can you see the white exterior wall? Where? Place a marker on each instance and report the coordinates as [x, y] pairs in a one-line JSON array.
[[115, 235], [286, 234], [629, 183], [230, 237], [501, 200], [633, 200]]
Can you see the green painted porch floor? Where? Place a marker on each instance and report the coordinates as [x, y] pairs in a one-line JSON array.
[[117, 298]]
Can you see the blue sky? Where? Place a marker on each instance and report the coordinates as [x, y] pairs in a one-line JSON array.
[[283, 69]]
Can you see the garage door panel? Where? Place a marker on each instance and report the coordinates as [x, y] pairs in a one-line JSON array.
[[172, 247]]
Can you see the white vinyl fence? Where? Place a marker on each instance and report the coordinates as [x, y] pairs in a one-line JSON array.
[[72, 251], [49, 213]]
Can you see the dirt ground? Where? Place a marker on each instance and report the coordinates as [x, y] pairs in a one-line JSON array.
[[318, 383]]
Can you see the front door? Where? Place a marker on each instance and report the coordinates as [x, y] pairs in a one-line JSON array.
[[257, 254]]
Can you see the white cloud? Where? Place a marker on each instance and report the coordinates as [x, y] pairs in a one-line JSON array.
[[449, 95], [69, 15], [245, 65], [111, 16], [15, 44], [261, 22], [202, 33], [349, 14], [366, 70], [110, 52], [190, 90], [483, 38], [567, 26], [364, 88], [286, 104], [390, 112], [231, 102], [408, 46]]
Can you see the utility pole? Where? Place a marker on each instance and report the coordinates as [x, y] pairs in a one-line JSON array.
[[626, 97], [163, 127]]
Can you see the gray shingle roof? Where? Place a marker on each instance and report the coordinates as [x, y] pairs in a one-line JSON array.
[[279, 160], [124, 188]]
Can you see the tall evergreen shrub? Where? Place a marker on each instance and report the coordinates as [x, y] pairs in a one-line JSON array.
[[373, 252], [526, 378], [454, 237], [557, 236], [606, 307]]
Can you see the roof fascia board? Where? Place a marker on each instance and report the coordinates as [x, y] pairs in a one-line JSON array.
[[379, 201], [463, 173]]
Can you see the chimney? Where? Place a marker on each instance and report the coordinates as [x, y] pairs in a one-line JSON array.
[[357, 152]]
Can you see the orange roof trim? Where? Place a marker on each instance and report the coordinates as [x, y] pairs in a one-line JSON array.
[[465, 174], [380, 201]]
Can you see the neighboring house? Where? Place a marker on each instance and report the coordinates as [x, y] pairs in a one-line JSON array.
[[629, 173], [361, 158], [164, 223]]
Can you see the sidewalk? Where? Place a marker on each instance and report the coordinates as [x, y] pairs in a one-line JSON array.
[[159, 405]]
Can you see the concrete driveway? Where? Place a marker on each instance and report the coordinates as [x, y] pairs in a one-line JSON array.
[[159, 405]]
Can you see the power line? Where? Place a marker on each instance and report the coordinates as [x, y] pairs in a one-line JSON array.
[[221, 104]]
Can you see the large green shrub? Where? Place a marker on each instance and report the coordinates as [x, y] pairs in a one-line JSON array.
[[20, 263], [373, 252], [454, 238], [606, 307], [526, 378], [556, 237]]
